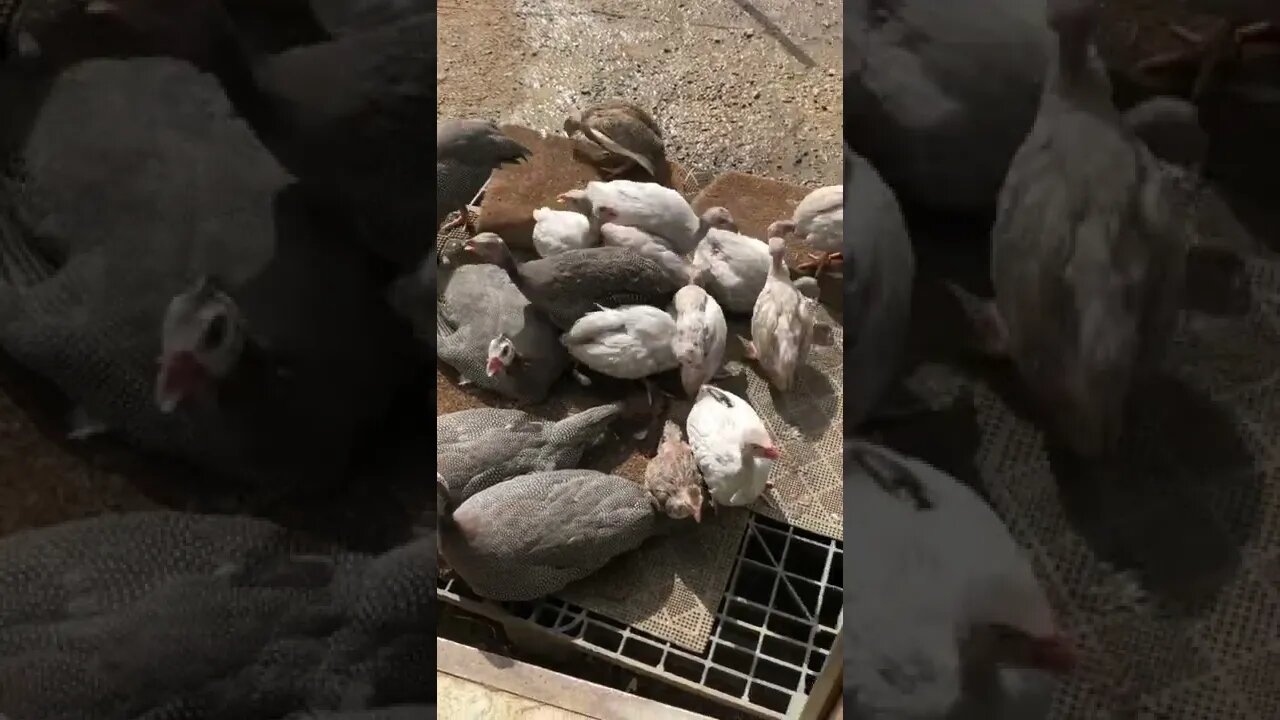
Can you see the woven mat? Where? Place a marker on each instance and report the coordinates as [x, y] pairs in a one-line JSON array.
[[1166, 570]]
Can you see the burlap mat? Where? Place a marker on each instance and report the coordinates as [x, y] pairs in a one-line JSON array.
[[806, 421], [1165, 569]]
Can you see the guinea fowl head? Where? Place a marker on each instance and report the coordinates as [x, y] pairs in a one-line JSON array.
[[575, 200], [1012, 622], [719, 218], [202, 339], [758, 442], [780, 228], [502, 355], [489, 247]]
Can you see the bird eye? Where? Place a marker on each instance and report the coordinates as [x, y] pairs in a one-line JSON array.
[[215, 332]]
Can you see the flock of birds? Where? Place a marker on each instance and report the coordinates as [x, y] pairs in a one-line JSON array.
[[630, 283], [945, 615]]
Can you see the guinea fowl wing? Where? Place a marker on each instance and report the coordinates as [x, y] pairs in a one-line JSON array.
[[167, 614], [571, 284]]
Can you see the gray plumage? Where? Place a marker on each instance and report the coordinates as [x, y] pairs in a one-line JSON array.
[[568, 285], [168, 186], [478, 448], [879, 277], [535, 534], [343, 17], [478, 303], [173, 616], [467, 153]]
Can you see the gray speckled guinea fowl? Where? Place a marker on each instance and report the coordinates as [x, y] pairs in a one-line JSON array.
[[467, 153], [489, 332], [568, 285], [139, 211], [174, 616], [345, 115], [481, 447], [534, 534]]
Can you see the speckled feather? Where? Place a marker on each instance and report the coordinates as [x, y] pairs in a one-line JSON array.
[[535, 534], [172, 616], [481, 447], [568, 286]]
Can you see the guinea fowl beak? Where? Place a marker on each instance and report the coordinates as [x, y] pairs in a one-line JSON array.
[[697, 513], [1053, 654], [181, 375], [770, 451], [494, 366]]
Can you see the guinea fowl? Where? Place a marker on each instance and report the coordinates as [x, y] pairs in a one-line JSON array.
[[555, 231], [175, 615], [701, 333], [622, 136], [734, 450], [134, 211], [467, 153], [653, 208], [781, 324], [481, 447], [1087, 262], [647, 244], [344, 116], [877, 294], [534, 534], [567, 286], [944, 597], [733, 268], [672, 476], [487, 330], [819, 219], [631, 342]]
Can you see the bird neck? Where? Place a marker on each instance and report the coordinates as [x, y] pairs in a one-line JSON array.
[[236, 68]]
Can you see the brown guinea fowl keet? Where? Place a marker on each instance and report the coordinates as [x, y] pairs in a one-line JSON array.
[[534, 534], [620, 135], [672, 476]]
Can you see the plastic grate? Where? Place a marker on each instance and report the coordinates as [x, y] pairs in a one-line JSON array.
[[773, 630]]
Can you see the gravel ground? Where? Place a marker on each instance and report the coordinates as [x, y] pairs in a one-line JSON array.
[[735, 84]]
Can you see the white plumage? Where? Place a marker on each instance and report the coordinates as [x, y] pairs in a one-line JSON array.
[[732, 446], [630, 342], [555, 231], [701, 333], [648, 206], [781, 324], [733, 267]]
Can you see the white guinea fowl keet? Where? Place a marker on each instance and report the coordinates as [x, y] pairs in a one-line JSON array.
[[672, 476], [781, 324], [732, 267], [877, 289], [700, 337], [555, 231], [734, 450], [648, 245], [649, 206], [631, 342], [942, 589], [819, 220], [1086, 263]]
